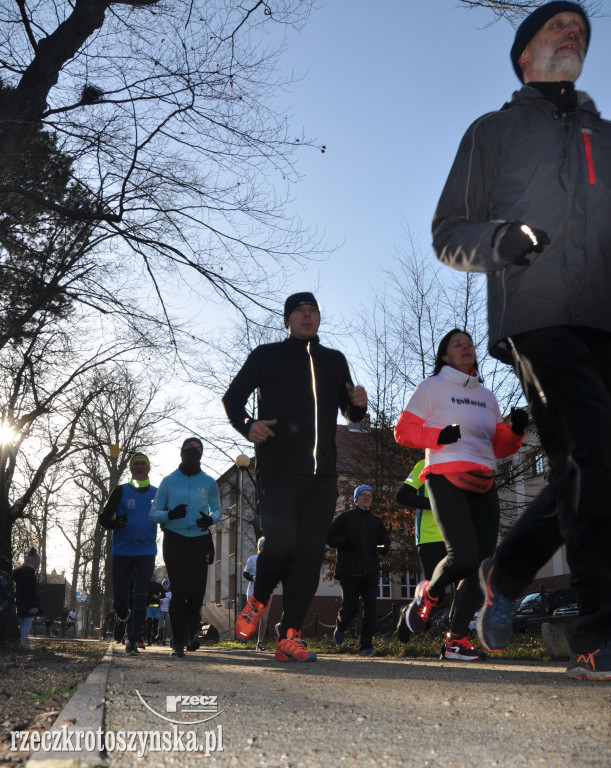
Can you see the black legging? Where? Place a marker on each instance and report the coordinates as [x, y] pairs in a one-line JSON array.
[[187, 559], [469, 524], [296, 513]]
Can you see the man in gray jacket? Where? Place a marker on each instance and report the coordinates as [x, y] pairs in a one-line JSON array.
[[528, 201]]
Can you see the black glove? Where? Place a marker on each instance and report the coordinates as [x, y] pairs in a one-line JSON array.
[[204, 522], [518, 240], [178, 512], [519, 421], [449, 434], [118, 522], [248, 576]]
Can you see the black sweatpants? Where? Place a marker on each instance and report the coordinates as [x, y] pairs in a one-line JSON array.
[[296, 515], [469, 524], [128, 569], [187, 559], [572, 367], [353, 588]]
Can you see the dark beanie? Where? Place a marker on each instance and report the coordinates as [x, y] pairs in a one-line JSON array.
[[296, 300], [533, 23], [193, 440]]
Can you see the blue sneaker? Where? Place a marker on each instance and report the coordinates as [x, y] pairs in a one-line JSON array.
[[366, 651], [338, 636], [595, 665], [495, 618]]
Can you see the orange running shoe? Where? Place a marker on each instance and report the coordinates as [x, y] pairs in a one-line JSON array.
[[293, 648], [248, 621]]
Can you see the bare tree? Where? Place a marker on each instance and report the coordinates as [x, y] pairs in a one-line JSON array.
[[514, 12], [167, 113]]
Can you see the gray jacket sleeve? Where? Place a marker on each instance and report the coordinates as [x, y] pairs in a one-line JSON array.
[[465, 230]]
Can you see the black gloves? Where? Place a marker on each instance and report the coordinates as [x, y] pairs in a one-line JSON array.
[[518, 240], [204, 522], [117, 522], [519, 421], [248, 576], [178, 512], [449, 434]]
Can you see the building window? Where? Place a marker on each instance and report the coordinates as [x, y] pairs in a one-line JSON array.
[[384, 590], [536, 466], [409, 582]]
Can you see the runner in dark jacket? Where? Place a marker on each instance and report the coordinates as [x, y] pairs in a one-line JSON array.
[[359, 537], [300, 385], [527, 202]]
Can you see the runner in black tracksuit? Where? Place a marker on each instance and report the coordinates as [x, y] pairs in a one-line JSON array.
[[359, 537], [300, 386]]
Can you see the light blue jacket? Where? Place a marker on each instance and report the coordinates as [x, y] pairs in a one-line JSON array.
[[198, 492]]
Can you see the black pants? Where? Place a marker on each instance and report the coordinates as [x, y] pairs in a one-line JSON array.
[[187, 559], [572, 367], [296, 514], [469, 524], [429, 554], [125, 569], [353, 588]]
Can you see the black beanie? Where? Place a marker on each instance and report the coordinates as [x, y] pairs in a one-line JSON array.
[[533, 23], [296, 300], [193, 440]]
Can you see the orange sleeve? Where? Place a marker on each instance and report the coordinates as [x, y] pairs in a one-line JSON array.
[[505, 442], [411, 432]]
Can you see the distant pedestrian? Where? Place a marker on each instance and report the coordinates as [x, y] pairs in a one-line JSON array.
[[7, 598], [359, 537], [26, 592], [165, 631], [250, 573]]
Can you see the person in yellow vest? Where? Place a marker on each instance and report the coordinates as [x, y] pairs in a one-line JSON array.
[[429, 541]]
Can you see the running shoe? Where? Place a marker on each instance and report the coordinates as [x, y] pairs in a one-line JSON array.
[[338, 636], [178, 652], [193, 644], [591, 666], [248, 621], [131, 649], [141, 644], [418, 613], [120, 625], [495, 617], [460, 648], [293, 648], [366, 651], [403, 631], [260, 646]]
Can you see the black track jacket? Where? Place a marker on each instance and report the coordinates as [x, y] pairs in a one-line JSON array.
[[302, 384]]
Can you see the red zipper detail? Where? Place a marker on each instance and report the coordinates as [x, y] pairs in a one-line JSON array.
[[588, 147]]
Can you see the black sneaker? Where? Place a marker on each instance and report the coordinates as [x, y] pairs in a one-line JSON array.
[[177, 653], [131, 649], [403, 631], [461, 649], [193, 644]]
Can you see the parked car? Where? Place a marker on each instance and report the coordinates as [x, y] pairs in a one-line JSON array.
[[536, 608]]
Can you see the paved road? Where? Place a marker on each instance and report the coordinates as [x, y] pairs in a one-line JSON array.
[[351, 711]]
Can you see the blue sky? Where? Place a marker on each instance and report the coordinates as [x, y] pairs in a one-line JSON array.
[[389, 88]]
